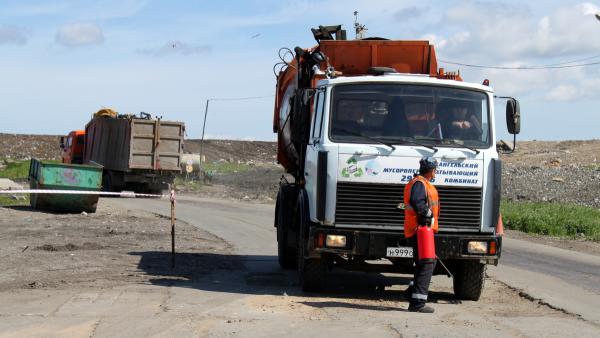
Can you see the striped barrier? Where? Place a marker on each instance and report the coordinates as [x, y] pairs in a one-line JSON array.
[[82, 192]]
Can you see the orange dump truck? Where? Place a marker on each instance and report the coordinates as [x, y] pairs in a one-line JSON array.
[[137, 152], [353, 119]]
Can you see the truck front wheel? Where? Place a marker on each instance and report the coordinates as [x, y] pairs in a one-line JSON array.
[[285, 254], [469, 279], [312, 272]]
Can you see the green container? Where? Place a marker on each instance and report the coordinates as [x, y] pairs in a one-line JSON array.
[[61, 176]]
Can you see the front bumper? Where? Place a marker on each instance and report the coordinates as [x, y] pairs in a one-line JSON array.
[[374, 244]]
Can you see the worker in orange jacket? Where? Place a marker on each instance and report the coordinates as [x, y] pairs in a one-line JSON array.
[[421, 209]]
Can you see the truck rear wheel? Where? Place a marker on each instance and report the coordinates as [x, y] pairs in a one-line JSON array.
[[284, 217], [312, 272], [107, 185], [469, 280]]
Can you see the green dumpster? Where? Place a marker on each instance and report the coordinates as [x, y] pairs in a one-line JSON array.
[[61, 176]]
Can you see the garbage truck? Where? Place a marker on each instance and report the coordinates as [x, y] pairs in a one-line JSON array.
[[137, 152], [353, 118]]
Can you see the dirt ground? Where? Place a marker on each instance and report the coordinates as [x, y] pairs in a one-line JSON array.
[[47, 250], [108, 274]]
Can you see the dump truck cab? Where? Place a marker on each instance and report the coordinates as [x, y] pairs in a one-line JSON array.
[[73, 145]]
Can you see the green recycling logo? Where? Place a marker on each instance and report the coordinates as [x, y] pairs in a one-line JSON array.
[[352, 168]]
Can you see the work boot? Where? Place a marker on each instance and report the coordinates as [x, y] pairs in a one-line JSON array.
[[424, 309]]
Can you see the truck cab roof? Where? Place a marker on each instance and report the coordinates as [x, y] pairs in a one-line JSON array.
[[405, 78]]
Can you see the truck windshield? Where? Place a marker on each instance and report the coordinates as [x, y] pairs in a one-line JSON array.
[[399, 113]]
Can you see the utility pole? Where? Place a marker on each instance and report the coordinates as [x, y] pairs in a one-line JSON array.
[[202, 139]]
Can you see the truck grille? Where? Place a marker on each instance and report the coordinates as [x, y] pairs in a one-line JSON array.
[[375, 204]]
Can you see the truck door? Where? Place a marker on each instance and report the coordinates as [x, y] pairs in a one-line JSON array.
[[311, 169]]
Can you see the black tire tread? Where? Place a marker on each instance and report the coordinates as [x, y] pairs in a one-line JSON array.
[[469, 280], [285, 256], [314, 273]]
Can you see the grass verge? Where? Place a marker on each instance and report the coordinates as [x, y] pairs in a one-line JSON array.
[[554, 219], [15, 170], [8, 201], [226, 167]]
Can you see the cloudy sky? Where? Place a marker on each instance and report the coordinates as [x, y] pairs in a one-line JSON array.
[[62, 60]]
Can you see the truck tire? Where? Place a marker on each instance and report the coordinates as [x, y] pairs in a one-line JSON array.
[[284, 214], [312, 272], [285, 255], [107, 185], [469, 280]]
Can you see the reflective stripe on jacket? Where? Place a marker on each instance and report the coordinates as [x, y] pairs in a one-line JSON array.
[[410, 215]]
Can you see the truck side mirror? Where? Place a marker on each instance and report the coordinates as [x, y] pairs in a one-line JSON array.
[[513, 116], [62, 142]]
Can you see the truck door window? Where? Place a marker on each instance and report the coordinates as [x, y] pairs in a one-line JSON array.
[[318, 115]]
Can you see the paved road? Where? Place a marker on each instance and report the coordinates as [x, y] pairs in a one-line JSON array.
[[564, 279]]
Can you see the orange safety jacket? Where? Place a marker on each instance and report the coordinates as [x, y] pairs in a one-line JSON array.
[[410, 215]]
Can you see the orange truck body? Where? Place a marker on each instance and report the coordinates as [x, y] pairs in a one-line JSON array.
[[351, 58]]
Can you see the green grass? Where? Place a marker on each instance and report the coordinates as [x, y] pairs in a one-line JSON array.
[[226, 167], [195, 183], [554, 219], [16, 170], [190, 185], [7, 201]]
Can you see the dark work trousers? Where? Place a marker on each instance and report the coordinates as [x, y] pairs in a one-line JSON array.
[[422, 278]]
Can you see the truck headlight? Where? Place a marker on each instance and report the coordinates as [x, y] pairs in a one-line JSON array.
[[476, 247], [335, 241]]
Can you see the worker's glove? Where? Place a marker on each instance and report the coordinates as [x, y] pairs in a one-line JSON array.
[[428, 219]]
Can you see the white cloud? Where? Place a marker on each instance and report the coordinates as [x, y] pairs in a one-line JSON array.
[[176, 47], [564, 93], [438, 41], [13, 35], [588, 8], [79, 34], [511, 35], [506, 32]]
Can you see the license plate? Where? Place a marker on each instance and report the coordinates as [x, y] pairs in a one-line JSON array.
[[402, 251]]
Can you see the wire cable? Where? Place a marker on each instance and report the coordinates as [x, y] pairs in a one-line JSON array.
[[576, 60], [240, 98], [556, 66]]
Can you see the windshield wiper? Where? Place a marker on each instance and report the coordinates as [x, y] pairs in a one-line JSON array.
[[366, 137], [405, 141], [460, 145]]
